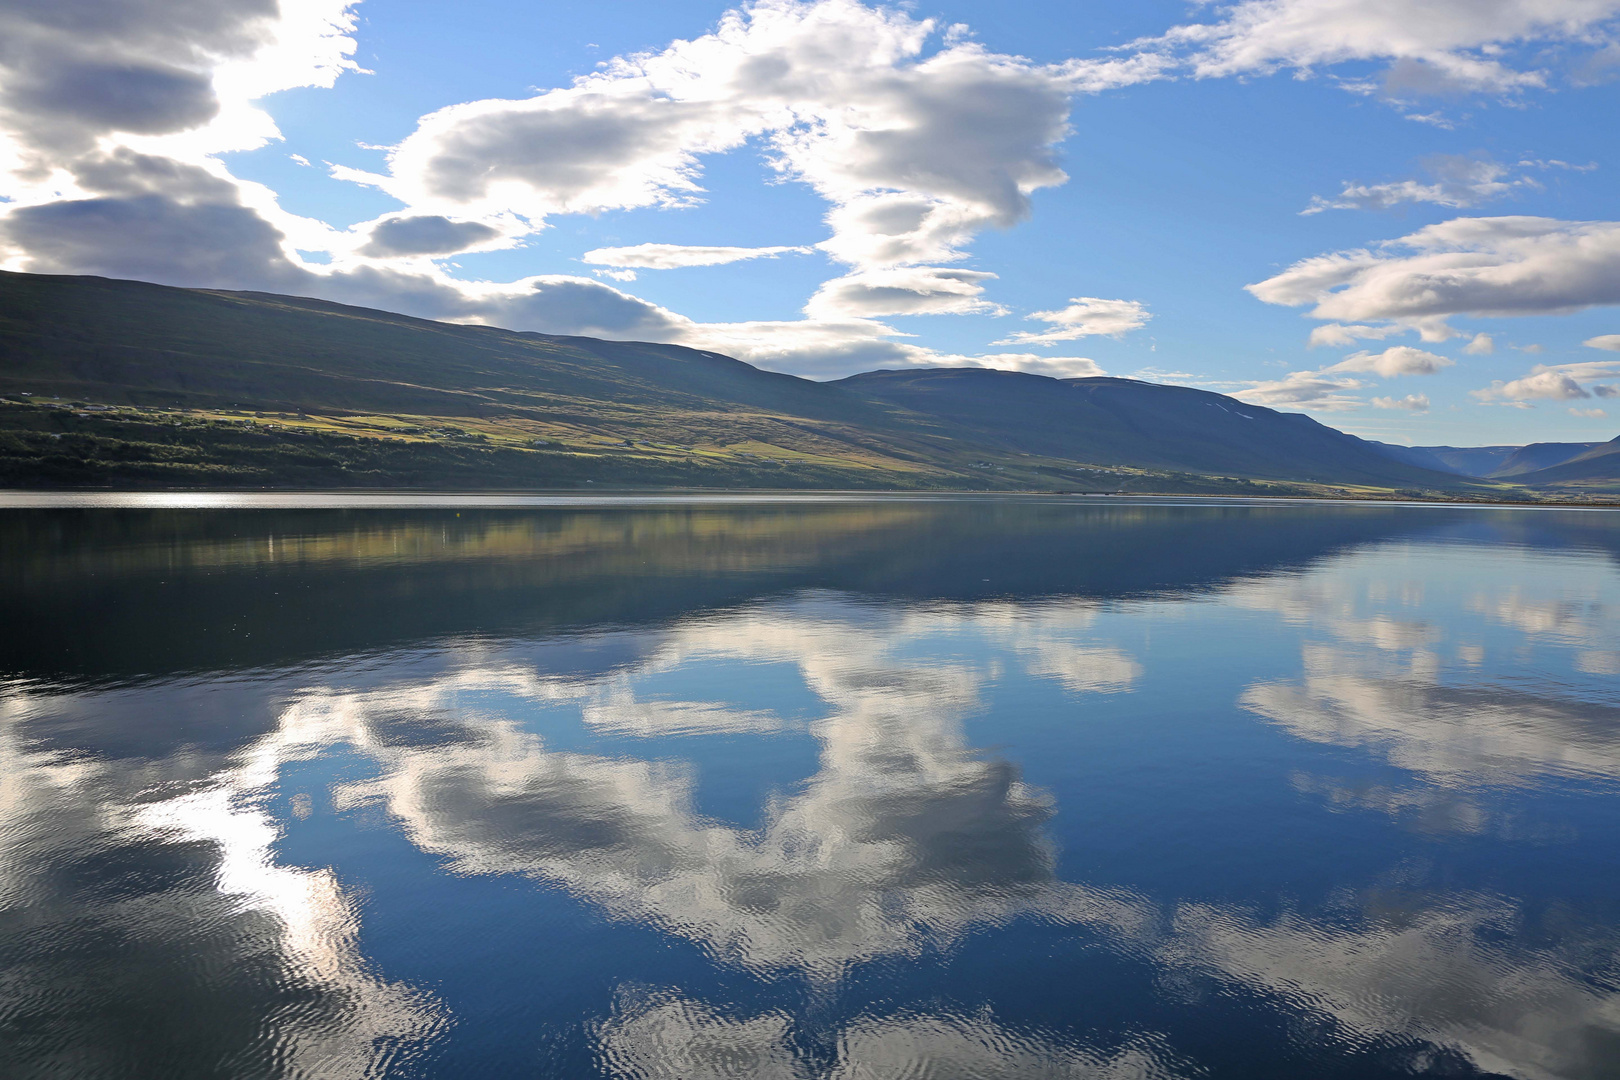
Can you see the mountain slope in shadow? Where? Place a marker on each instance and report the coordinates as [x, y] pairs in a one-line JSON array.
[[1598, 467], [1125, 422], [549, 411]]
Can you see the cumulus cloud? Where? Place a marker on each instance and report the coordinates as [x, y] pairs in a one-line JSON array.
[[112, 117], [155, 219], [1059, 367], [1553, 385], [1459, 182], [673, 256], [1588, 414], [1086, 316], [903, 290], [1304, 390], [1327, 390], [1442, 46], [1395, 361], [71, 74], [1340, 336], [1497, 266], [915, 152], [1557, 382], [916, 149], [1482, 345], [1604, 341], [426, 235]]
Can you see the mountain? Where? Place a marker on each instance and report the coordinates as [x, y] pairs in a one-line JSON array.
[[1119, 422], [127, 383], [1537, 456], [1598, 467], [1493, 462], [131, 342], [1462, 460], [431, 404]]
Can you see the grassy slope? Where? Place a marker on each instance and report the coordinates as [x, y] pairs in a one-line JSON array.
[[338, 374], [1125, 422], [243, 389]]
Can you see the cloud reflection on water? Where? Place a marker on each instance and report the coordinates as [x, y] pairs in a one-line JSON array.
[[905, 838], [904, 841], [1374, 673], [146, 929], [663, 1035]]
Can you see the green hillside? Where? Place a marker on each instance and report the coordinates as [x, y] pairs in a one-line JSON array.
[[121, 383], [1115, 422]]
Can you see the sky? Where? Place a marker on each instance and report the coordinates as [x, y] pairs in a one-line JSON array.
[[1397, 217]]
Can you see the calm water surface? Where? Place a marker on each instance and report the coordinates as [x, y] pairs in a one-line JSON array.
[[841, 789]]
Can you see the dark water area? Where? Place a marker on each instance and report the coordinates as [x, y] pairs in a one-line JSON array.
[[854, 789]]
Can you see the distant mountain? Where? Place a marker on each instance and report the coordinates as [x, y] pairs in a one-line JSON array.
[[1537, 456], [1462, 460], [1598, 467], [1125, 422], [127, 383], [1494, 462]]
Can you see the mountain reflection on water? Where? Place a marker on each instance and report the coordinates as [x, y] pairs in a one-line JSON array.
[[977, 788]]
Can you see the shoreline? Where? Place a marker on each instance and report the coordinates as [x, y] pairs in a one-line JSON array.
[[395, 499]]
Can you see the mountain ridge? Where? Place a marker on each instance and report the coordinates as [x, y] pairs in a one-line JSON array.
[[199, 387]]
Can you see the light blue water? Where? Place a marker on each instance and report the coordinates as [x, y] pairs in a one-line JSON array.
[[845, 789]]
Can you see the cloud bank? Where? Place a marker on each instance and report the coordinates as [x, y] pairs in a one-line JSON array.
[[113, 117]]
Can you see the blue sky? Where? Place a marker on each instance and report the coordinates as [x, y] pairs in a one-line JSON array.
[[1395, 216]]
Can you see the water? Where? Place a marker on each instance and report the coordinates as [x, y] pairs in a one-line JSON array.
[[872, 789]]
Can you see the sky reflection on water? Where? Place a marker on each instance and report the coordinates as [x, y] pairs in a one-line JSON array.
[[979, 789]]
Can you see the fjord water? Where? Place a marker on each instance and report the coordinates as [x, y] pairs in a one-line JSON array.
[[949, 788]]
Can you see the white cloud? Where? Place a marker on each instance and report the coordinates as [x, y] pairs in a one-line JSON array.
[[1338, 335], [915, 152], [1439, 46], [112, 117], [1558, 382], [903, 290], [1588, 414], [1327, 390], [429, 235], [1498, 266], [1553, 385], [674, 256], [1086, 316], [816, 349], [1411, 403], [1305, 390], [74, 75], [1482, 345], [1059, 367], [916, 149], [1459, 182], [1604, 341], [1395, 361], [1434, 119]]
